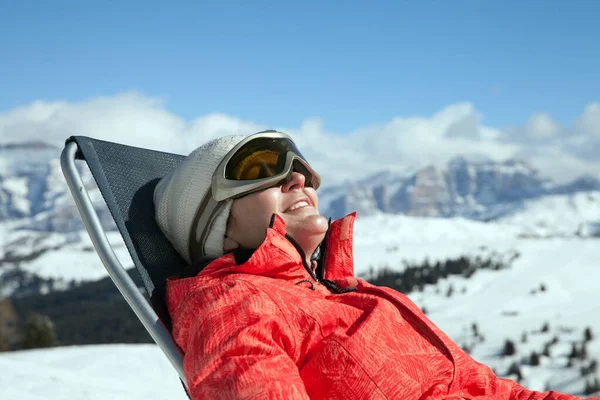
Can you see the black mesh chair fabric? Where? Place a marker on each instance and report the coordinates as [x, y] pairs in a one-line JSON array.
[[126, 177]]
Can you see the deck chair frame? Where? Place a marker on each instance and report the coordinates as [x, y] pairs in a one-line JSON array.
[[136, 300]]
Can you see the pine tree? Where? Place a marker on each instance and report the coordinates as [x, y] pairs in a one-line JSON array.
[[593, 366], [39, 332], [546, 351], [509, 348], [475, 329], [466, 348], [515, 370], [534, 359], [583, 354], [545, 328], [4, 346], [588, 336], [590, 368], [574, 352], [4, 343], [589, 387]]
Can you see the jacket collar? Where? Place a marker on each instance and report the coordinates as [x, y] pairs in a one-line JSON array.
[[279, 256], [337, 251]]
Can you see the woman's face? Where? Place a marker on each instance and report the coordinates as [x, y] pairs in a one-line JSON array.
[[295, 203]]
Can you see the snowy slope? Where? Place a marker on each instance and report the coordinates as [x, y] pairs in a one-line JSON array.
[[55, 257], [501, 303], [557, 215], [401, 237], [387, 240], [116, 372], [504, 304], [74, 257]]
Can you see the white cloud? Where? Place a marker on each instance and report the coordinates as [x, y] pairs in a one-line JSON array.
[[589, 122], [127, 118], [134, 119], [541, 126], [563, 166]]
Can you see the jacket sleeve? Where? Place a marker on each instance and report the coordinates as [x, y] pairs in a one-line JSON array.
[[237, 345]]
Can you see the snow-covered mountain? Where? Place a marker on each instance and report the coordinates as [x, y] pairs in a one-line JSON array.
[[34, 192], [504, 211], [476, 189], [38, 218], [26, 172], [32, 189]]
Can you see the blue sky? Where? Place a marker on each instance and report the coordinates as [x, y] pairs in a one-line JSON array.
[[350, 63]]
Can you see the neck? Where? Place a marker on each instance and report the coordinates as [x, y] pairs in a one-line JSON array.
[[309, 246]]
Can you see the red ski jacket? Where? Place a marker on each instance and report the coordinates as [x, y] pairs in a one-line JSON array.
[[265, 326]]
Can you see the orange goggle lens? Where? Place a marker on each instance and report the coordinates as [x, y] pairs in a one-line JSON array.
[[263, 158]]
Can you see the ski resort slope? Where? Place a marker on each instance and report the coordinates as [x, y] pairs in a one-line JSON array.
[[501, 303], [116, 372], [505, 305]]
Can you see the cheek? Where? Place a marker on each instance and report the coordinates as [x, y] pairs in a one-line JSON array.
[[268, 202], [312, 194], [252, 215], [253, 212]]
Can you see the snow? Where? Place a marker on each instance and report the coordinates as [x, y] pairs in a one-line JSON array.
[[384, 178], [570, 303], [6, 229], [504, 304], [77, 261], [18, 188], [89, 372], [67, 257], [508, 167], [56, 185], [556, 215], [4, 166], [388, 239]]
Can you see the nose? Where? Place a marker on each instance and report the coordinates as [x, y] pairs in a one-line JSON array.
[[294, 181]]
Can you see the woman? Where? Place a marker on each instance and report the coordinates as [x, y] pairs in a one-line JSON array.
[[275, 312]]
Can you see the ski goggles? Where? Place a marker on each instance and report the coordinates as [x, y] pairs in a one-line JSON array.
[[258, 162]]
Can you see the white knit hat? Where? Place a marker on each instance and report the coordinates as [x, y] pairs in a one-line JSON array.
[[178, 195]]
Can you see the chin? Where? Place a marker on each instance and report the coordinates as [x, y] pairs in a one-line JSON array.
[[308, 224]]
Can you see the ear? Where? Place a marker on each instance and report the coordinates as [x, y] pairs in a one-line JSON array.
[[230, 245]]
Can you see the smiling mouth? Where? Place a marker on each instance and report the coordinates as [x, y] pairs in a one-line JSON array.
[[298, 205]]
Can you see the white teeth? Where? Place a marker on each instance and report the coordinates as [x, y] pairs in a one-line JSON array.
[[298, 205]]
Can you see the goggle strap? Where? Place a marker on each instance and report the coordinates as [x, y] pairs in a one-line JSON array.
[[205, 216]]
